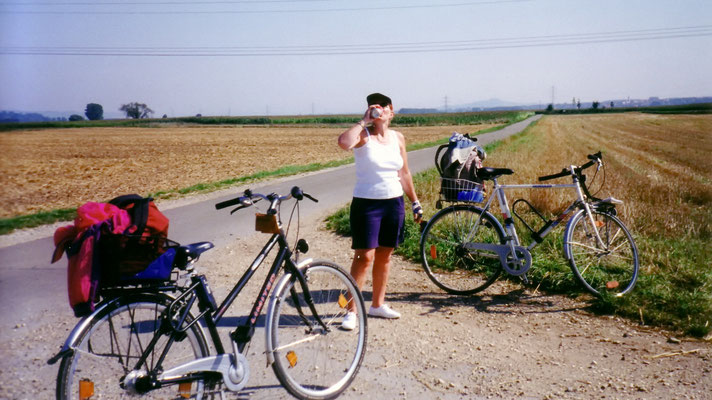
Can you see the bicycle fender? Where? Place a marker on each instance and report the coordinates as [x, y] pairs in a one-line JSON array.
[[70, 342], [569, 226], [269, 346]]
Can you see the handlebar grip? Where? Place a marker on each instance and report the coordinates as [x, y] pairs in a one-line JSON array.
[[228, 203], [564, 172], [595, 156]]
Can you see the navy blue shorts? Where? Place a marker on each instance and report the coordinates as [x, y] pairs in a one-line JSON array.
[[377, 223]]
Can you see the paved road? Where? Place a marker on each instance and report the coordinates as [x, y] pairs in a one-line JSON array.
[[29, 283]]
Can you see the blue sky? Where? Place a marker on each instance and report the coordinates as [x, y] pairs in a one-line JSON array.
[[324, 56]]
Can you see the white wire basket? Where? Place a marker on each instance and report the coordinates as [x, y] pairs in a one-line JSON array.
[[461, 190]]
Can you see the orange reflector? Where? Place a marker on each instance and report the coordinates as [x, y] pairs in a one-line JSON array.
[[292, 358], [433, 252], [86, 389], [184, 389], [611, 284], [599, 224], [342, 301]]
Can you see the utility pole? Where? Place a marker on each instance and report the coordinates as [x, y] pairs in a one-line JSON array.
[[553, 89]]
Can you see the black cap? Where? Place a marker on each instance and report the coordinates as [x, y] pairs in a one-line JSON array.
[[377, 98]]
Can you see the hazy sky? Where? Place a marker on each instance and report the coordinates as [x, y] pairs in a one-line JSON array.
[[324, 56]]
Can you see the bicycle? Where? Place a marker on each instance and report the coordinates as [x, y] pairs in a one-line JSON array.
[[146, 340], [465, 248]]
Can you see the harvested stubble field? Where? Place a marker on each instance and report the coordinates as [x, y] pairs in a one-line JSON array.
[[63, 168]]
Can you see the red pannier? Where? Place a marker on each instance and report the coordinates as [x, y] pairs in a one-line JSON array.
[[110, 244]]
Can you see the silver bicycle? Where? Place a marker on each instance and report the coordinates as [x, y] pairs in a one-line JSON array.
[[465, 248]]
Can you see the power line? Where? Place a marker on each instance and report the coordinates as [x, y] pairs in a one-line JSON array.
[[199, 12], [387, 48], [136, 3]]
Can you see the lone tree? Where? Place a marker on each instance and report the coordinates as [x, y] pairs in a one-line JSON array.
[[94, 112], [595, 105], [136, 110], [76, 117]]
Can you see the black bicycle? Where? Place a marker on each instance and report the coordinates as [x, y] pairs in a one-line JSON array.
[[149, 340]]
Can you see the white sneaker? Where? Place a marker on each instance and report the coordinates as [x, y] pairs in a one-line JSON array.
[[383, 312], [349, 322]]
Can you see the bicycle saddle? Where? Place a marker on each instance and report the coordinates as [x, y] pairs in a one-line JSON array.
[[488, 173], [187, 253]]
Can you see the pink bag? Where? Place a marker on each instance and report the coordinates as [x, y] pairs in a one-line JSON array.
[[78, 240]]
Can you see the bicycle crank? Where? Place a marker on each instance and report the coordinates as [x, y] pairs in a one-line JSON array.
[[515, 263]]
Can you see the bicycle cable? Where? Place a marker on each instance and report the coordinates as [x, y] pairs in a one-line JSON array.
[[289, 224]]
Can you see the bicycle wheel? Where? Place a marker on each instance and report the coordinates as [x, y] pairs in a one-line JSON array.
[[111, 344], [448, 261], [610, 266], [312, 363]]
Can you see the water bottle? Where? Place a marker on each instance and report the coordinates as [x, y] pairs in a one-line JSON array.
[[376, 113]]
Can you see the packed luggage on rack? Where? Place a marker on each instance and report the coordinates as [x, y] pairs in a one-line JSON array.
[[124, 241]]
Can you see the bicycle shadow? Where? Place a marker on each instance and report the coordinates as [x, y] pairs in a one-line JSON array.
[[492, 303]]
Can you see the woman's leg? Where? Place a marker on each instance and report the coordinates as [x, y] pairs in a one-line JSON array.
[[381, 269], [363, 259]]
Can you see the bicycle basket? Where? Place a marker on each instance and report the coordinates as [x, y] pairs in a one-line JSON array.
[[266, 223], [127, 257], [461, 190]]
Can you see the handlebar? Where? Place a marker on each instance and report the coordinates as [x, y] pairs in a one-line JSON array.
[[595, 158], [249, 199]]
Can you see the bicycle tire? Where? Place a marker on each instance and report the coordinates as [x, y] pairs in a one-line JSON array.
[[445, 257], [612, 269], [309, 362], [110, 345]]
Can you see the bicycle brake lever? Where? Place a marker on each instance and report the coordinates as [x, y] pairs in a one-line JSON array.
[[310, 197]]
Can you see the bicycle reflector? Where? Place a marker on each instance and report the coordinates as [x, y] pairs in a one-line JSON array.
[[292, 358], [433, 252], [184, 389], [342, 301], [86, 389], [611, 285]]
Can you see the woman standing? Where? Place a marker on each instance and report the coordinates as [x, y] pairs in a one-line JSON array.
[[377, 210]]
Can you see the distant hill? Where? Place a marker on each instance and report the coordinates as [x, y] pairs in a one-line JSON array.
[[11, 116], [501, 105]]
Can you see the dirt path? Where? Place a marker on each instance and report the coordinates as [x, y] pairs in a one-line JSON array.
[[508, 343]]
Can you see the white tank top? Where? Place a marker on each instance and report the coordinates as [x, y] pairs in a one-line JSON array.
[[377, 167]]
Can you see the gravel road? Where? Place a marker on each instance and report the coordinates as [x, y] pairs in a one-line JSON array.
[[510, 342]]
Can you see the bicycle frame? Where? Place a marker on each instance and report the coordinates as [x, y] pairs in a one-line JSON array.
[[513, 238], [211, 314]]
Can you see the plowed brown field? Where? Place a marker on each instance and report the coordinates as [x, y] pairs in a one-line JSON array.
[[63, 168]]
